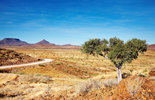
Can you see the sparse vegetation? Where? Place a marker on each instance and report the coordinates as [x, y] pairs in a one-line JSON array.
[[35, 79], [20, 73], [58, 63], [87, 86], [110, 82], [41, 65], [38, 74], [70, 68]]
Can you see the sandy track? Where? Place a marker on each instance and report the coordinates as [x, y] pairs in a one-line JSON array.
[[34, 63]]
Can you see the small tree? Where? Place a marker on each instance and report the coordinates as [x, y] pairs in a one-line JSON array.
[[116, 50]]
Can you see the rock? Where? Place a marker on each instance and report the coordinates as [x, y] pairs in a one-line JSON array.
[[152, 72], [126, 75], [7, 78], [141, 75], [136, 88]]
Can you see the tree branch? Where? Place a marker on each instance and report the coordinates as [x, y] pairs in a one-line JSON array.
[[103, 55]]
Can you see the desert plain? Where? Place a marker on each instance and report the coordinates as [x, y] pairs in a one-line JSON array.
[[73, 75]]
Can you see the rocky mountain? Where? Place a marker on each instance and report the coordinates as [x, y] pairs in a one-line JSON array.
[[151, 47], [12, 41], [44, 42]]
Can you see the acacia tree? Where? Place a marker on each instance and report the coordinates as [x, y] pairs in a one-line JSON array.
[[115, 50]]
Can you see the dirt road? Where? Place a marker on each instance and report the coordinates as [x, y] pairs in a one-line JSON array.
[[34, 63]]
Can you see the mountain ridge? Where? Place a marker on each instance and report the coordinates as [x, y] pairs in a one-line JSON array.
[[18, 42], [12, 41]]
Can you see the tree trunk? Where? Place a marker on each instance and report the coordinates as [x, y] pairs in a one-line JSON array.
[[119, 74]]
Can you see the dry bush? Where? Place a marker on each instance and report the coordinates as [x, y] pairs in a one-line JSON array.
[[110, 82], [7, 92], [134, 86], [126, 75], [34, 79], [87, 86], [152, 78]]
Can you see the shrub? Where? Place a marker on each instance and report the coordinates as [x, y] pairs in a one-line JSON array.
[[152, 78], [48, 89], [141, 75], [110, 82], [133, 87], [126, 75], [13, 73], [95, 74], [131, 70], [102, 77], [20, 73], [69, 65], [35, 79], [87, 86], [65, 70], [145, 70], [38, 74], [41, 65], [58, 63], [7, 51]]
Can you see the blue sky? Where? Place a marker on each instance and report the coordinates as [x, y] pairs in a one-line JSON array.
[[76, 21]]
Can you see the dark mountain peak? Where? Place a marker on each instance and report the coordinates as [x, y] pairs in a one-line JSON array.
[[12, 41], [43, 42]]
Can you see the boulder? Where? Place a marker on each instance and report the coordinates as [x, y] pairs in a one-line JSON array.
[[152, 72], [136, 88], [126, 75]]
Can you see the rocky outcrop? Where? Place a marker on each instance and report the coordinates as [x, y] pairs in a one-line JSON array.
[[152, 72], [10, 57], [136, 88]]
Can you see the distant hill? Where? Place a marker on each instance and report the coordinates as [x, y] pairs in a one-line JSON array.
[[67, 45], [17, 43], [44, 42], [12, 41], [151, 47]]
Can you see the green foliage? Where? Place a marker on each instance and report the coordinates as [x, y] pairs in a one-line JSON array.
[[38, 74], [102, 77], [69, 65], [65, 70], [114, 41], [131, 70], [116, 50], [145, 70], [117, 55], [41, 65], [1, 55], [20, 73], [95, 46], [13, 73], [58, 63], [91, 46], [7, 51]]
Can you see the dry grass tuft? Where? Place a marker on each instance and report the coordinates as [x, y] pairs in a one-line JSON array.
[[134, 86], [34, 79], [87, 86], [110, 82]]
